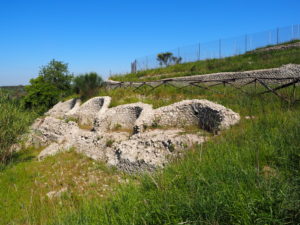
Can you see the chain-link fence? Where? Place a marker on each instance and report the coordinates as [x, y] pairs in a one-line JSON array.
[[223, 47]]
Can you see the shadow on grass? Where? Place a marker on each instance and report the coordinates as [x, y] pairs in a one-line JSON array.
[[20, 157]]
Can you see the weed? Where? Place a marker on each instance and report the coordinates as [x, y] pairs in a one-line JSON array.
[[117, 127], [71, 119], [109, 143]]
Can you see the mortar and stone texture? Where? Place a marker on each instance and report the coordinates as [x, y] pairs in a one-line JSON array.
[[122, 117], [86, 113], [61, 108], [136, 146], [202, 113]]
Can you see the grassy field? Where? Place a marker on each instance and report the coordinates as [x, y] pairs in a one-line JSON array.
[[248, 174], [248, 61]]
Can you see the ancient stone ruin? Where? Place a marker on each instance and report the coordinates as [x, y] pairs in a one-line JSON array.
[[132, 137]]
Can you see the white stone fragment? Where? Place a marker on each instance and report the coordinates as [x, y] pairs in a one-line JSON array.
[[56, 194], [54, 149]]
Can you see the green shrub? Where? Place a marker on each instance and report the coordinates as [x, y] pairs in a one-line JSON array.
[[87, 85], [40, 95], [52, 84], [14, 121]]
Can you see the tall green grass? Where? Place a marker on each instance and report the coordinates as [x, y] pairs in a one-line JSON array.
[[14, 121], [246, 175]]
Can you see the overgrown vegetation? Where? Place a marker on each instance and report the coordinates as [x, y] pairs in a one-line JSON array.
[[19, 107], [14, 121], [56, 83], [249, 61], [246, 175], [249, 174]]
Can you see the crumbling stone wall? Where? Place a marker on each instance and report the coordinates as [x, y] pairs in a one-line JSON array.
[[140, 147], [87, 113], [122, 117], [61, 108]]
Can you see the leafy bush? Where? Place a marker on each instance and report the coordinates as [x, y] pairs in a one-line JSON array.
[[14, 121], [87, 85], [40, 95], [53, 83]]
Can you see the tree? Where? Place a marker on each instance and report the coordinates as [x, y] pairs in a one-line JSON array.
[[57, 73], [52, 84], [176, 60], [167, 58], [41, 95], [87, 85], [164, 58]]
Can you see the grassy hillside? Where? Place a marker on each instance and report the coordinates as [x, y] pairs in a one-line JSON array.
[[248, 61], [246, 175]]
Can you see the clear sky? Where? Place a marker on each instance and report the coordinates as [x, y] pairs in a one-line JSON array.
[[107, 35]]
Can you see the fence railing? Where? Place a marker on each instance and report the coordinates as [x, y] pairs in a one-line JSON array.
[[223, 47], [269, 85]]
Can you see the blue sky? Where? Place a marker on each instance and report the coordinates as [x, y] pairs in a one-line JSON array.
[[101, 36]]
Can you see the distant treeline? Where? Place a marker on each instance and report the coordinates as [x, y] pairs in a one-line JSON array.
[[14, 91]]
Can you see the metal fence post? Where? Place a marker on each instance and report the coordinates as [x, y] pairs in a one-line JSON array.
[[220, 46], [215, 49], [246, 41], [199, 50], [133, 66]]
